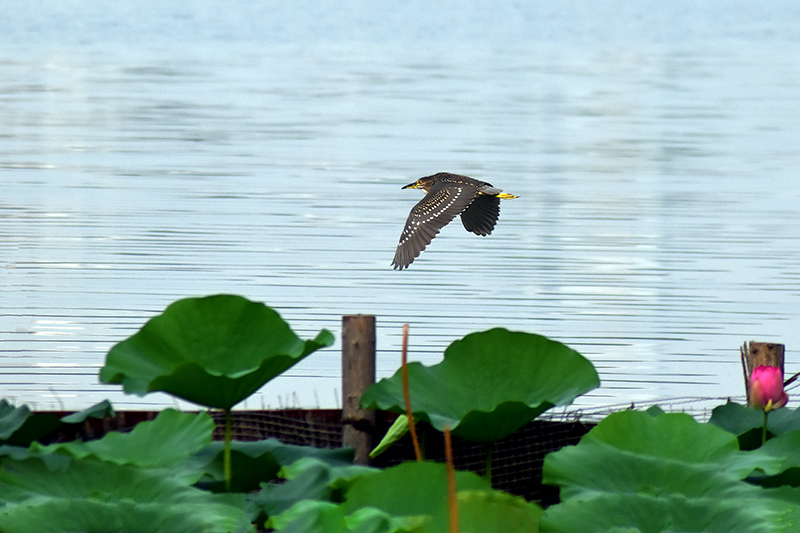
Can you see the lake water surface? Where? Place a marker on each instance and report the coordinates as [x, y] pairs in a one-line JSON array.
[[150, 152]]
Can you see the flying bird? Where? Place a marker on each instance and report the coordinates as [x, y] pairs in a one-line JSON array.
[[448, 195]]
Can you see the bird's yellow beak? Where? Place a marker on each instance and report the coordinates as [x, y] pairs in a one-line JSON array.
[[414, 185]]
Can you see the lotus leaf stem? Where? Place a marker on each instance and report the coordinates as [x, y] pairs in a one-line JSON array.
[[452, 495], [227, 450], [412, 428]]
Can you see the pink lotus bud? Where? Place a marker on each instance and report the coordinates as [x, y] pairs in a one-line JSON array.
[[766, 388]]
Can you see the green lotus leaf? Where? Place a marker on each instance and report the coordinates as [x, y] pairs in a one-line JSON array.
[[307, 479], [489, 384], [213, 351], [409, 489], [98, 410], [637, 513], [371, 520], [310, 516], [19, 426], [92, 495], [420, 489], [17, 453], [496, 512], [172, 436], [746, 422], [784, 447], [12, 418], [639, 472], [336, 471], [407, 497], [737, 419], [258, 461]]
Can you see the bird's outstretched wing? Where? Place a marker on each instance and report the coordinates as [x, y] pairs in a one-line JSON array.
[[481, 215], [431, 214]]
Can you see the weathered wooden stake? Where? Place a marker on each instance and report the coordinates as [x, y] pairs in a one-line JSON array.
[[760, 353], [358, 374]]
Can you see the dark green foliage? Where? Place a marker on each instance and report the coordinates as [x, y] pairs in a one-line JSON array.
[[636, 471], [19, 426], [665, 472]]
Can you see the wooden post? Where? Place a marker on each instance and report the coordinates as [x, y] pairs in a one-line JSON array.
[[358, 374], [760, 353]]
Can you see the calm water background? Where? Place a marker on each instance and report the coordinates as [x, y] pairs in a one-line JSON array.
[[152, 151]]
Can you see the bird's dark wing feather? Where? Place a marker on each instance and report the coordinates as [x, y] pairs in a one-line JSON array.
[[431, 214], [481, 215]]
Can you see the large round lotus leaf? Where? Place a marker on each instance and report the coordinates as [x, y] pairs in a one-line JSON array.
[[639, 472], [489, 384], [214, 351]]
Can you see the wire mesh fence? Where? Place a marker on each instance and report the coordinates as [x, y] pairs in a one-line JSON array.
[[516, 461]]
